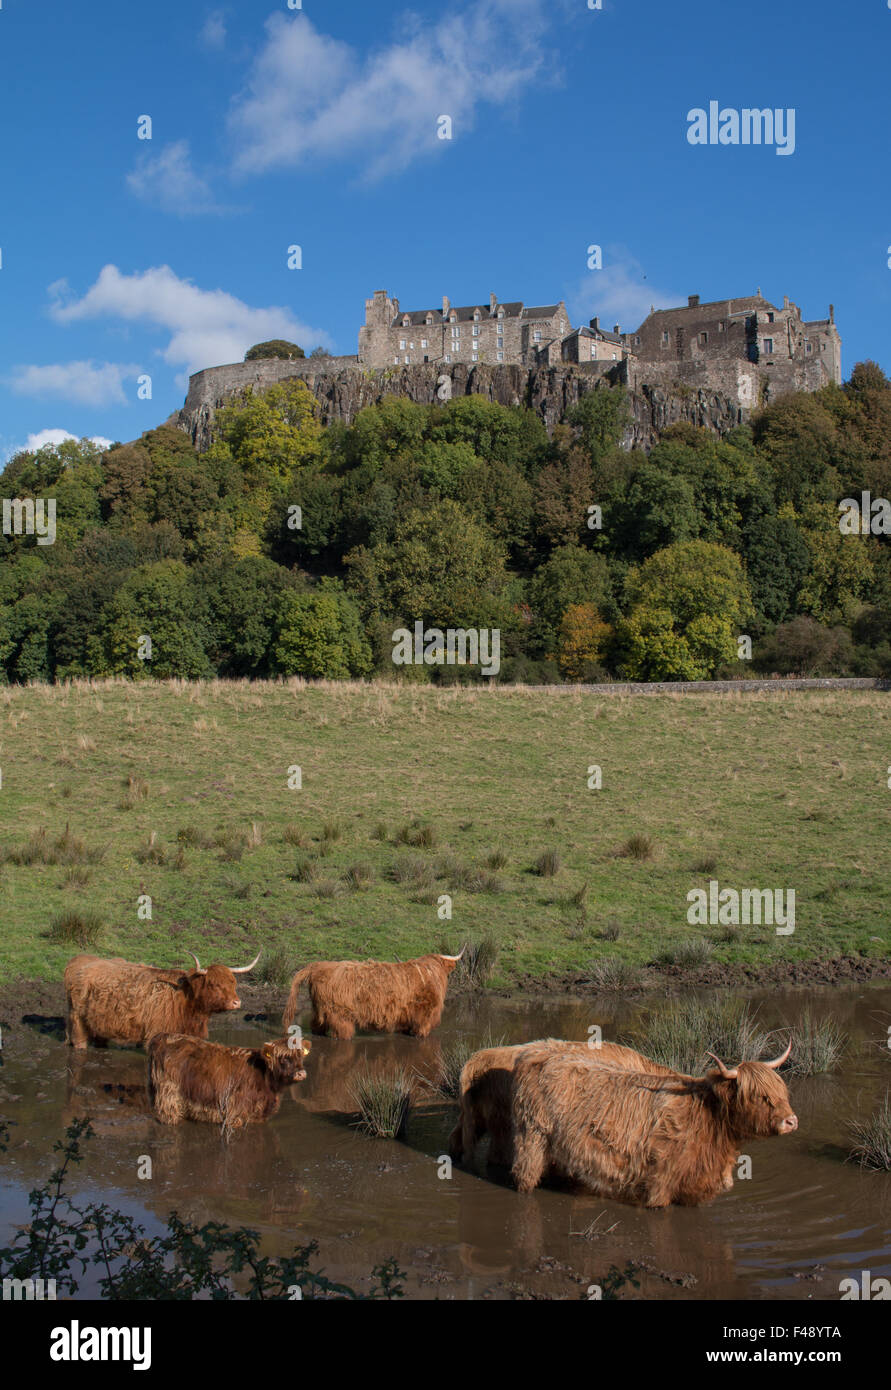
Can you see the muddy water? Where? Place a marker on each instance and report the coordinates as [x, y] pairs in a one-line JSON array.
[[805, 1219]]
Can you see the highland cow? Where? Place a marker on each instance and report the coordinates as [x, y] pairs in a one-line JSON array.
[[380, 997], [192, 1079], [641, 1137], [115, 1001], [485, 1092]]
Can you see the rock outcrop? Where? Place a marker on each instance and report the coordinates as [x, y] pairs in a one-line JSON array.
[[343, 388]]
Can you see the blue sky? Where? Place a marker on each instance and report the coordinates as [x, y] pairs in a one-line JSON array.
[[318, 127]]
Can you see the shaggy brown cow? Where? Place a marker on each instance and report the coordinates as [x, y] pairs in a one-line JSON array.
[[485, 1092], [119, 1002], [642, 1137], [192, 1079], [406, 997]]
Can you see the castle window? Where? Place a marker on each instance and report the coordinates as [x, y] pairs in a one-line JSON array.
[[476, 315], [423, 342], [475, 357], [703, 340], [501, 313], [396, 361], [768, 345], [448, 357], [500, 356], [536, 336], [402, 345], [770, 318], [456, 331], [476, 331], [666, 338], [593, 349], [807, 347], [429, 318], [637, 341], [407, 359]]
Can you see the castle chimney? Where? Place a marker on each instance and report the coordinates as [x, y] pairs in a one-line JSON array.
[[594, 323], [445, 305], [493, 300], [616, 328], [693, 301], [785, 301], [832, 313]]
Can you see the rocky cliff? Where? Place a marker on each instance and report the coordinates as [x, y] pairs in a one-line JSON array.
[[343, 388]]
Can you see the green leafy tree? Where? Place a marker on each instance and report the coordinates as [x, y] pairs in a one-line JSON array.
[[158, 601], [321, 636], [275, 347]]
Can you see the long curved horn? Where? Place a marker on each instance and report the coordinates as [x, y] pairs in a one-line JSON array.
[[243, 969], [457, 957], [778, 1061], [728, 1073], [197, 962]]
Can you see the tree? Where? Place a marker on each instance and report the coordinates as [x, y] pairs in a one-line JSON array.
[[160, 602], [442, 568], [321, 637], [687, 606], [570, 576], [276, 347], [601, 418], [583, 637]]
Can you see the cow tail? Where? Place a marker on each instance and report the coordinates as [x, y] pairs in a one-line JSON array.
[[291, 1006]]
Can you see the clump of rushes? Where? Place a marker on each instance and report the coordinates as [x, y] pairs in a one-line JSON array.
[[418, 835], [818, 1047], [547, 865], [383, 1102], [77, 928], [696, 950], [359, 877], [612, 972], [872, 1139], [683, 1035], [638, 847]]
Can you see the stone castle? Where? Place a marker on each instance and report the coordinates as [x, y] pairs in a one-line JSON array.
[[710, 364], [793, 353]]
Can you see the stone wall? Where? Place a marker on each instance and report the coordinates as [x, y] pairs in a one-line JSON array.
[[659, 396]]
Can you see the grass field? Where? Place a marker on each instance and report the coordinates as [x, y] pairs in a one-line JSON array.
[[180, 791]]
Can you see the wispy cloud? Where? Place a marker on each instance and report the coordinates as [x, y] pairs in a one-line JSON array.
[[619, 293], [42, 438], [205, 327], [212, 34], [87, 382], [311, 97], [168, 181]]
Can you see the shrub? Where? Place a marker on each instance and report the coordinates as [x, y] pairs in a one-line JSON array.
[[77, 928], [547, 865]]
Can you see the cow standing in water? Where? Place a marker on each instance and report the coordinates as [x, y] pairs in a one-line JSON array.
[[486, 1085], [381, 997], [192, 1079], [641, 1137], [115, 1001]]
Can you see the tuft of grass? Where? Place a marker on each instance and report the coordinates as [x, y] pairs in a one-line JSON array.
[[451, 1061], [77, 928], [413, 872], [871, 1146], [65, 849], [358, 877], [612, 972], [379, 832], [696, 950], [136, 790], [180, 861], [639, 847], [76, 878], [547, 865], [477, 965], [276, 969], [194, 838], [707, 864], [612, 930], [383, 1102], [418, 835], [152, 852], [332, 831], [682, 1035], [306, 870], [496, 860], [326, 887], [818, 1045], [294, 836], [232, 846]]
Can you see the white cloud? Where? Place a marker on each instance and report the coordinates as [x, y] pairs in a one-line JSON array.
[[206, 327], [168, 181], [88, 383], [619, 293], [310, 96], [42, 438], [213, 31]]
